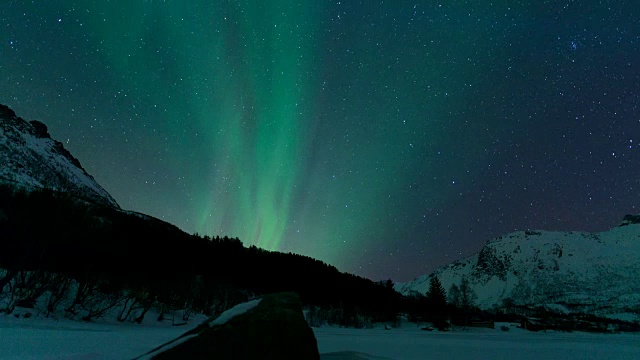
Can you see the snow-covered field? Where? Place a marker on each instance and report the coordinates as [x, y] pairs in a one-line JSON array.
[[412, 343], [64, 339], [74, 340]]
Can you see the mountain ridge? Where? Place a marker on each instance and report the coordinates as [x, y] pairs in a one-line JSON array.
[[32, 159], [569, 272]]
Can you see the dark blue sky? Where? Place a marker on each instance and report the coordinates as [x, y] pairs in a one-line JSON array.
[[385, 138]]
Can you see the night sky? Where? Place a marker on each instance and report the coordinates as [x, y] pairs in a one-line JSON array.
[[383, 137]]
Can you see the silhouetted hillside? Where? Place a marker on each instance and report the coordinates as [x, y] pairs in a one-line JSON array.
[[117, 250]]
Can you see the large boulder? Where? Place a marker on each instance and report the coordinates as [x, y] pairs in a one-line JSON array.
[[273, 329]]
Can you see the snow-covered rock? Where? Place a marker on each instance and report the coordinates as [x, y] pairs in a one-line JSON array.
[[270, 328], [597, 273], [30, 159], [233, 312]]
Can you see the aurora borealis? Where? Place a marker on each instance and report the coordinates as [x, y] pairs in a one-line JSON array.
[[383, 137]]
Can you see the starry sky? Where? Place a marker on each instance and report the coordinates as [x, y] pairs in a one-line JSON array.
[[383, 137]]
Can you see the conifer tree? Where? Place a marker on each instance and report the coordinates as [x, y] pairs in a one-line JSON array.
[[436, 295], [437, 303]]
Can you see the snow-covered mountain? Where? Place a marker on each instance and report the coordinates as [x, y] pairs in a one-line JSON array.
[[597, 273], [31, 159]]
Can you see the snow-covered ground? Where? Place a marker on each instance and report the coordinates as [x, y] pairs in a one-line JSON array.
[[73, 340], [412, 343]]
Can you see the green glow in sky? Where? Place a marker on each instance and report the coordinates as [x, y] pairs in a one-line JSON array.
[[382, 137]]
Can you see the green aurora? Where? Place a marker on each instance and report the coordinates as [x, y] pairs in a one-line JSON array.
[[356, 132], [255, 82]]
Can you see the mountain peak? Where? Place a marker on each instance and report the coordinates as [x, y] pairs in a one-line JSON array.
[[567, 271], [6, 112], [30, 158], [40, 129]]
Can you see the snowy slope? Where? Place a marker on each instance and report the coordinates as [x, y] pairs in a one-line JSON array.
[[411, 343], [597, 273], [36, 339], [30, 158]]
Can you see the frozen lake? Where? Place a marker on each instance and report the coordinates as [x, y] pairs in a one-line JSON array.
[[70, 340], [73, 340]]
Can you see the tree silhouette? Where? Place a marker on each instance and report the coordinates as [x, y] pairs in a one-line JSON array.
[[467, 296], [118, 258], [436, 295], [463, 298], [437, 303]]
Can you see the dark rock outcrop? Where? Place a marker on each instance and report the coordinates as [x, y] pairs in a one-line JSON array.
[[6, 112], [630, 219], [489, 264], [274, 329], [40, 129]]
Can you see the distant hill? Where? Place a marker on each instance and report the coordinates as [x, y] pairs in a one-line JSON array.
[[567, 272], [29, 157]]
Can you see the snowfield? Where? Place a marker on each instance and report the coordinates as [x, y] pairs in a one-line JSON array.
[[412, 343], [73, 340]]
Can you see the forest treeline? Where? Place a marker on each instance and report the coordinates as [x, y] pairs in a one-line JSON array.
[[92, 258]]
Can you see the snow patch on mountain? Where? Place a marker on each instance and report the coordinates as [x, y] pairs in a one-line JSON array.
[[596, 273], [31, 159]]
